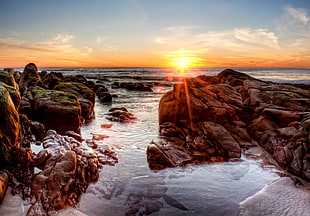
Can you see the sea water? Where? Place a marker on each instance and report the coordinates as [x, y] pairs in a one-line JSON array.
[[205, 189]]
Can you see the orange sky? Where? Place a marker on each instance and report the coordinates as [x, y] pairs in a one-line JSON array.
[[135, 33]]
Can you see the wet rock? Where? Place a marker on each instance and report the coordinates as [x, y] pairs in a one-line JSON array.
[[77, 78], [216, 116], [67, 170], [40, 159], [56, 110], [120, 115], [50, 80], [133, 86], [85, 95], [162, 154], [30, 77], [105, 97], [76, 136], [9, 127], [174, 202], [4, 182]]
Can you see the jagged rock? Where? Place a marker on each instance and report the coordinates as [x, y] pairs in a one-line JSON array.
[[85, 95], [67, 170], [215, 116], [9, 127], [30, 77], [57, 110]]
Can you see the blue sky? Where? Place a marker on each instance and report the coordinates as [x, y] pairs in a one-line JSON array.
[[155, 33]]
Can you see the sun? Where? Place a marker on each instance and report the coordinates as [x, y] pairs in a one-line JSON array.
[[182, 64]]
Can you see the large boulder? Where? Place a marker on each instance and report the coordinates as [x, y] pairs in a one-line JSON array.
[[30, 76], [9, 127], [218, 115], [57, 110], [85, 95]]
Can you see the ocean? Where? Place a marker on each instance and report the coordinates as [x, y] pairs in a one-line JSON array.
[[205, 189], [275, 74]]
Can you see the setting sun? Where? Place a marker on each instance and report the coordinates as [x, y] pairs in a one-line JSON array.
[[182, 64]]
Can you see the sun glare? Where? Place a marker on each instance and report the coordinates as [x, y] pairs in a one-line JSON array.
[[182, 64]]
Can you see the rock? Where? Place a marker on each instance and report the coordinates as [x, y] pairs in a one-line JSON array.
[[161, 154], [50, 80], [103, 94], [85, 95], [135, 86], [214, 116], [76, 136], [120, 115], [9, 127], [40, 159], [30, 77], [287, 131], [4, 182], [67, 170], [57, 110], [7, 80], [77, 78], [221, 138], [105, 97]]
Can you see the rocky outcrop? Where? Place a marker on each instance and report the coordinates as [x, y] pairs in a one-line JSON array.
[[213, 117], [85, 95], [57, 110]]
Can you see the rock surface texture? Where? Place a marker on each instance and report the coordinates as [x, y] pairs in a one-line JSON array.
[[212, 118]]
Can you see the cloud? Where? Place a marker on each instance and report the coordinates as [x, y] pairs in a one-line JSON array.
[[256, 36], [100, 39], [211, 46], [299, 14], [16, 44]]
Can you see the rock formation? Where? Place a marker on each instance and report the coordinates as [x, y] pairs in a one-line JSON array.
[[58, 104], [56, 109], [211, 118], [85, 95]]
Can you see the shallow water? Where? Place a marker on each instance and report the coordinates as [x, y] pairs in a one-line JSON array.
[[207, 189]]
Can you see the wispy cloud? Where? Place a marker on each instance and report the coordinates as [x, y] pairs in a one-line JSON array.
[[256, 37], [299, 14]]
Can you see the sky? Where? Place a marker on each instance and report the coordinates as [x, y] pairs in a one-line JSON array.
[[137, 33]]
